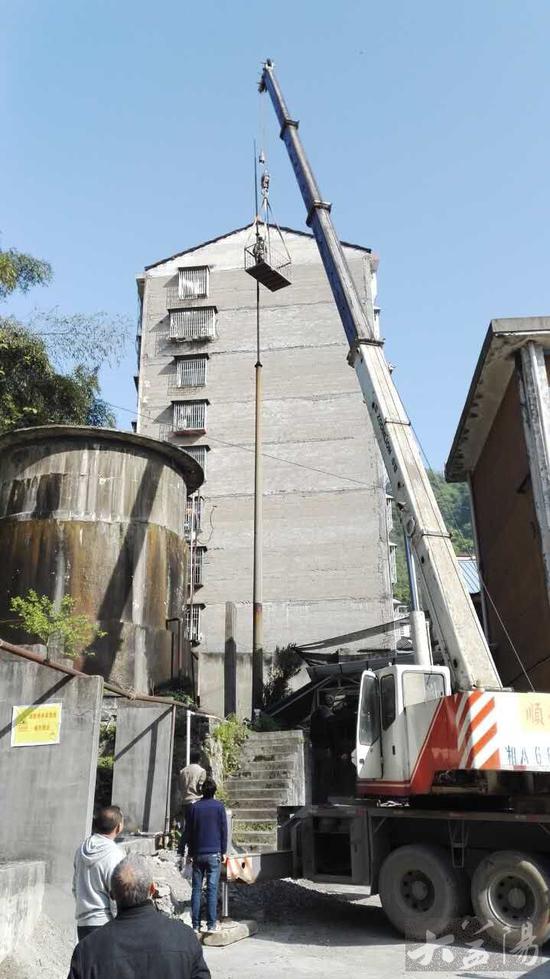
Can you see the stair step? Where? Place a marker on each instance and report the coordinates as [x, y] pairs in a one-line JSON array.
[[249, 783], [255, 836], [275, 736], [270, 767], [268, 801], [255, 816], [267, 757]]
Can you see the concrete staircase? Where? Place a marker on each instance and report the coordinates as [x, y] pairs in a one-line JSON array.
[[271, 774]]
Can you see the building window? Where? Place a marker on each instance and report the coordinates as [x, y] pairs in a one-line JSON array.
[[193, 283], [191, 372], [194, 512], [193, 623], [389, 512], [193, 324], [195, 563], [393, 563], [190, 416], [198, 453]]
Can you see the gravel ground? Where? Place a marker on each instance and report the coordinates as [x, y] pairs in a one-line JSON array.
[[305, 930]]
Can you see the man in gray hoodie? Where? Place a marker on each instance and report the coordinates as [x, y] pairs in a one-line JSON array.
[[94, 862]]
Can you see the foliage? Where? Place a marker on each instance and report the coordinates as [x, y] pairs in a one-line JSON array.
[[454, 502], [104, 781], [175, 689], [86, 339], [265, 723], [60, 628], [49, 367], [286, 664], [33, 393], [19, 271], [231, 735]]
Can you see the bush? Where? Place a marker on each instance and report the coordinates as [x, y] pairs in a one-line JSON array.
[[231, 735], [286, 664]]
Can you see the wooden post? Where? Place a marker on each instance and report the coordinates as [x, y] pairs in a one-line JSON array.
[[230, 661]]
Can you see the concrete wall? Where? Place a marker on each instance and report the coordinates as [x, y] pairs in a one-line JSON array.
[[143, 764], [98, 515], [21, 897], [509, 548], [326, 566], [47, 791]]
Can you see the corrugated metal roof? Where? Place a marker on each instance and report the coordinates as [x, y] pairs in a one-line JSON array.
[[470, 574]]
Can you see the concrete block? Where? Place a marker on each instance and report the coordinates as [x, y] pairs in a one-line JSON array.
[[21, 898], [143, 764], [230, 932]]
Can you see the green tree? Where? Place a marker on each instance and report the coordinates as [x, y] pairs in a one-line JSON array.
[[20, 272], [33, 393], [62, 630], [49, 366]]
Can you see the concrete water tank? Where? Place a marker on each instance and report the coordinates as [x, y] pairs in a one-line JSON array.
[[99, 515]]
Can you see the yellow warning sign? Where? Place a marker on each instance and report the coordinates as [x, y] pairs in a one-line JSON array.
[[34, 724]]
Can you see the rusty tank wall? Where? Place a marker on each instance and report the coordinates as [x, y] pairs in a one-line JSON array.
[[99, 515]]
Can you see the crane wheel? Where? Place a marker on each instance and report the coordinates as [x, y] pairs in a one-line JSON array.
[[422, 892], [511, 897]]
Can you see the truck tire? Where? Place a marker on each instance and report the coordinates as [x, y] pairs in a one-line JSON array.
[[422, 892], [511, 893]]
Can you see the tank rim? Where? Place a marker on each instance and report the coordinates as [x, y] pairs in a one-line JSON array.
[[188, 467]]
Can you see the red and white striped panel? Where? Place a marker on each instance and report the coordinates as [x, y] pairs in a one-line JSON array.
[[477, 731]]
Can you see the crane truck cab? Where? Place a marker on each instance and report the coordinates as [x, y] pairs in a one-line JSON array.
[[397, 706]]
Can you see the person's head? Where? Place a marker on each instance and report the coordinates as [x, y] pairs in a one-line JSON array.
[[209, 788], [131, 882], [195, 757], [109, 821]]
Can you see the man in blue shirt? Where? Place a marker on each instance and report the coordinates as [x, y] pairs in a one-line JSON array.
[[206, 838]]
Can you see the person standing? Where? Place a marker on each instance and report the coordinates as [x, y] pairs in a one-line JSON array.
[[141, 942], [94, 862], [206, 838], [191, 781]]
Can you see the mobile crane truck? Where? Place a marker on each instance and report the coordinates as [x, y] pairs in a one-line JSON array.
[[452, 806]]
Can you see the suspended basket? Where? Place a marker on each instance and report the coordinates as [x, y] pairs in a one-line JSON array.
[[269, 265]]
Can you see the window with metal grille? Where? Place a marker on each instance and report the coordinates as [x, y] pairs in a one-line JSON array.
[[195, 560], [191, 372], [193, 283], [194, 510], [198, 323], [193, 622], [393, 563], [198, 453], [389, 512], [190, 416]]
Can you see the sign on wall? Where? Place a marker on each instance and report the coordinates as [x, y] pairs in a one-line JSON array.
[[34, 724]]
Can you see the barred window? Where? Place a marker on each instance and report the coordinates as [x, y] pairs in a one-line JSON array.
[[190, 416], [194, 511], [198, 323], [393, 563], [193, 283], [198, 453], [191, 372], [195, 561], [193, 622]]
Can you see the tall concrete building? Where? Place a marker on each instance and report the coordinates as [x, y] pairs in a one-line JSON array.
[[326, 552]]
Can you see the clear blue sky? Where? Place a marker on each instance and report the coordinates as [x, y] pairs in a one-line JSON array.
[[127, 132]]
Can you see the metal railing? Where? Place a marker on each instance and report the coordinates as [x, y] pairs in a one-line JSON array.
[[189, 416], [193, 324]]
